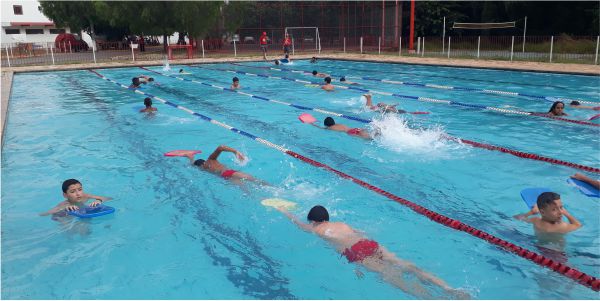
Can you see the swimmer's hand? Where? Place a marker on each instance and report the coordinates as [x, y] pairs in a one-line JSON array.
[[240, 156], [458, 294], [359, 273], [96, 203], [72, 208]]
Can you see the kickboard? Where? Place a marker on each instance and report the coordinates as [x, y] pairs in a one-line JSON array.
[[530, 195], [88, 212], [279, 203], [285, 61], [181, 153], [307, 118], [312, 85], [585, 188]]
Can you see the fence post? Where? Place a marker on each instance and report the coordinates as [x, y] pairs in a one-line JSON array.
[[449, 47], [94, 53], [512, 46], [361, 45], [234, 49], [551, 47], [379, 45], [423, 48], [344, 44], [70, 49], [202, 48], [400, 46], [597, 43], [7, 56], [418, 45], [52, 53], [478, 45], [293, 47], [132, 52]]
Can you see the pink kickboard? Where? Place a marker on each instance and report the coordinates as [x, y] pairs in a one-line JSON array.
[[419, 113], [181, 153], [307, 118]]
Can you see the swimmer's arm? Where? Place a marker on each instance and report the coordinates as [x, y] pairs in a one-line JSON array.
[[219, 150], [574, 224], [98, 199], [295, 220], [58, 208], [316, 125], [525, 216]]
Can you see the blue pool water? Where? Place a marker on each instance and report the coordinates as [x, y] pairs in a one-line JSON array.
[[179, 233]]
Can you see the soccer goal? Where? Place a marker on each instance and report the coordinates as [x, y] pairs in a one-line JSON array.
[[307, 34]]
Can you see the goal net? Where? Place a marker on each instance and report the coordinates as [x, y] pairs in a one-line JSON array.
[[306, 36]]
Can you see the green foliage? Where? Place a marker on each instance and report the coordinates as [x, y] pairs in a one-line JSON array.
[[78, 15]]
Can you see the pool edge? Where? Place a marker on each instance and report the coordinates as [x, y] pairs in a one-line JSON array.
[[7, 78]]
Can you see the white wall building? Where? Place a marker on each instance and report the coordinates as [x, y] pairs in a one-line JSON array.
[[22, 22]]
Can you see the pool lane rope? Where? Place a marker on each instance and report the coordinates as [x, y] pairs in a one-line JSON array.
[[563, 269], [418, 98], [436, 86], [465, 141]]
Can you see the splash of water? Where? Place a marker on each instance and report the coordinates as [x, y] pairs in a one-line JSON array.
[[166, 65]]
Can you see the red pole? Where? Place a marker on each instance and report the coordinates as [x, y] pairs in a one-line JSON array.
[[411, 45]]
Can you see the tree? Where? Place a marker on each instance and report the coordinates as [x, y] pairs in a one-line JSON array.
[[77, 15]]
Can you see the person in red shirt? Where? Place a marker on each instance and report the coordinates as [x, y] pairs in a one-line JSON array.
[[287, 42], [263, 44]]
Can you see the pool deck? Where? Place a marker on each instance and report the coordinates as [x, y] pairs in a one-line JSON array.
[[580, 69]]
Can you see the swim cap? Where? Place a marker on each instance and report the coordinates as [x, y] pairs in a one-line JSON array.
[[151, 79], [315, 72], [329, 121], [69, 182], [328, 80], [575, 103], [342, 79], [318, 214], [235, 79], [199, 162]]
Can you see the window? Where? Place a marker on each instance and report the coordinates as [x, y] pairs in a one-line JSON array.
[[34, 31], [12, 31], [57, 30], [18, 9]]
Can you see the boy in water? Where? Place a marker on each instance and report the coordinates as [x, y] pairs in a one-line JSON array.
[[148, 104], [317, 74], [145, 79], [368, 253], [235, 84], [213, 165], [551, 210], [331, 125], [381, 107], [74, 198], [135, 83], [313, 60], [327, 86]]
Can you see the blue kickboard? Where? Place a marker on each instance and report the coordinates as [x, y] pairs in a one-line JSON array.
[[585, 188], [87, 211], [530, 195], [285, 61]]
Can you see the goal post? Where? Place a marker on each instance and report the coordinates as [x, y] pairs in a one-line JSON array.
[[317, 38]]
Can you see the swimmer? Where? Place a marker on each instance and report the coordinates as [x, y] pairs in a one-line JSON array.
[[263, 44], [287, 57], [135, 83], [557, 109], [74, 199], [145, 79], [577, 105], [149, 108], [317, 74], [331, 125], [360, 250], [381, 107], [327, 86], [344, 81], [276, 62], [287, 42], [551, 210], [213, 165], [586, 179], [236, 84], [313, 60]]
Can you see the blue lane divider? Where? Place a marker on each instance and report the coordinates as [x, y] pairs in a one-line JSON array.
[[418, 98], [326, 112], [444, 87]]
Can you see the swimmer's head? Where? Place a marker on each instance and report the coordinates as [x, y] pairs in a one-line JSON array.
[[329, 122], [199, 162], [276, 62], [318, 214], [135, 81], [550, 206], [557, 108], [236, 80], [148, 102], [342, 79], [328, 80], [69, 182], [314, 72], [151, 79], [575, 103], [287, 56], [180, 70]]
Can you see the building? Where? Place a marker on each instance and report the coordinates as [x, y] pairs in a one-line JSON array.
[[22, 22]]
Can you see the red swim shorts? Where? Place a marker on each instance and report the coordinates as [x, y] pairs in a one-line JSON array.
[[228, 173], [354, 131], [361, 250]]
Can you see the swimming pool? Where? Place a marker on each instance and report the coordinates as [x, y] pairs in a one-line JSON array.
[[179, 233]]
